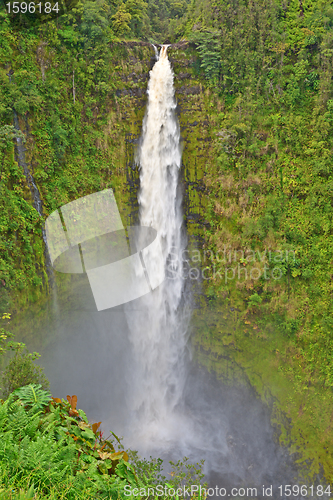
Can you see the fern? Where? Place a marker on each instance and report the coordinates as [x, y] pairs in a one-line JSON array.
[[32, 396], [3, 415], [30, 494], [44, 446], [18, 421]]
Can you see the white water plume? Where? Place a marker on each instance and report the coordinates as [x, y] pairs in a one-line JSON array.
[[171, 419], [226, 426], [158, 325]]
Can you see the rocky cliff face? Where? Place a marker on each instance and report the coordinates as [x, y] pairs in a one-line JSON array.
[[81, 134], [193, 104]]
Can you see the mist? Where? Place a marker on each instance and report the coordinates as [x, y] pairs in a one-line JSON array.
[[131, 366]]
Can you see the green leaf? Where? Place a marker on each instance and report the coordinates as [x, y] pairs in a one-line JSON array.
[[33, 396]]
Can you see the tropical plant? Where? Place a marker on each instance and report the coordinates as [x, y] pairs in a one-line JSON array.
[[33, 396], [48, 449], [42, 444]]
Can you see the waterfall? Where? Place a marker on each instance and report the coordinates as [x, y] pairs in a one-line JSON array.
[[35, 194], [158, 322], [37, 202], [156, 52], [174, 410]]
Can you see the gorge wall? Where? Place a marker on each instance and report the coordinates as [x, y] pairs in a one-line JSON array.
[[80, 146], [81, 115]]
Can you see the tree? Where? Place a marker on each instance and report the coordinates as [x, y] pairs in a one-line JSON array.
[[121, 21], [138, 11]]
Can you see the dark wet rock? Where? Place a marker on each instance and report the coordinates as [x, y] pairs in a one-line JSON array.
[[131, 92], [183, 76], [185, 90]]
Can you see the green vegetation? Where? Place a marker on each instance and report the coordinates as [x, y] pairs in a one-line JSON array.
[[48, 449], [261, 90], [20, 369], [269, 68], [48, 445]]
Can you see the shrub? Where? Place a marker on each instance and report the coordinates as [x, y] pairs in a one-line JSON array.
[[254, 300], [22, 371]]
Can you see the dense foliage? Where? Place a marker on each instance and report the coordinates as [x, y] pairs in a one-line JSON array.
[[269, 69], [43, 445], [21, 369], [271, 185], [48, 449], [47, 443], [267, 66]]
